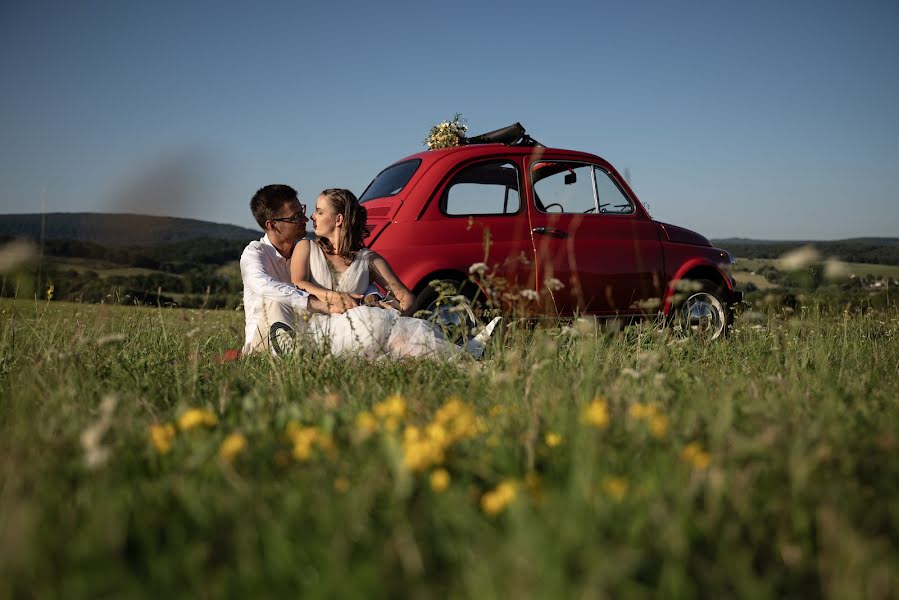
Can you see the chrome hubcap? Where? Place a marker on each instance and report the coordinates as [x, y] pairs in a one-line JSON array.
[[703, 315], [455, 318]]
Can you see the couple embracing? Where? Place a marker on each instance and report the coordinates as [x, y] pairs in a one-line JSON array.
[[321, 293]]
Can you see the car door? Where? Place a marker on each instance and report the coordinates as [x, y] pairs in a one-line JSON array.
[[595, 251], [477, 216]]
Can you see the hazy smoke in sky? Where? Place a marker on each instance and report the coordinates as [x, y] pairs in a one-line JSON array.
[[172, 186]]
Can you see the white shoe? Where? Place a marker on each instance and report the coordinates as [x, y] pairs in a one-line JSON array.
[[476, 345]]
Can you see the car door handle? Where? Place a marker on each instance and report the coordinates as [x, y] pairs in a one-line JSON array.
[[551, 231]]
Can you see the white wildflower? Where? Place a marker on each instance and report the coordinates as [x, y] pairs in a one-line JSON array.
[[112, 338], [798, 259], [16, 254], [528, 294], [687, 285], [478, 267], [553, 284], [835, 269], [633, 373], [648, 304], [95, 453]]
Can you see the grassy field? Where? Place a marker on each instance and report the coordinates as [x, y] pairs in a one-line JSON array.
[[745, 266], [568, 463]]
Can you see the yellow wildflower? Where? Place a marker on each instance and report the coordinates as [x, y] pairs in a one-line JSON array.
[[658, 425], [437, 433], [420, 451], [304, 439], [232, 446], [440, 480], [161, 435], [597, 413], [616, 487], [50, 293], [458, 419], [450, 409], [695, 456], [195, 417], [495, 501], [366, 423], [392, 406], [552, 439], [640, 411]]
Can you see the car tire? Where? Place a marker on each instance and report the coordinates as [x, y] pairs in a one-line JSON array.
[[450, 304], [705, 312]]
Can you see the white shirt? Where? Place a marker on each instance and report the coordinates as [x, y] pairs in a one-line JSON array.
[[266, 274]]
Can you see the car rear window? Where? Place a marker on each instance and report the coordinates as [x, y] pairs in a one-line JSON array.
[[391, 180]]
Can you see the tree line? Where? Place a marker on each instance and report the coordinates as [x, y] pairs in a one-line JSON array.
[[185, 273], [872, 251]]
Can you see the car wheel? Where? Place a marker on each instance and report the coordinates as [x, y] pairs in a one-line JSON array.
[[705, 313], [451, 305]]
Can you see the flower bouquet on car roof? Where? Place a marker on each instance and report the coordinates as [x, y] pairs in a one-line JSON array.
[[447, 134]]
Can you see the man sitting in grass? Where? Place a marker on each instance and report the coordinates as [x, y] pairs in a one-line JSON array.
[[268, 295]]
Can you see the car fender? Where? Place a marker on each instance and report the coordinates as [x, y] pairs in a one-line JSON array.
[[681, 273]]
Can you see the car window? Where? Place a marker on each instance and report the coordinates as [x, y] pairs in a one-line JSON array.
[[611, 199], [563, 187], [391, 180], [483, 189]]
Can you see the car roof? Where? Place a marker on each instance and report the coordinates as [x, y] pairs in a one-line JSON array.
[[486, 150]]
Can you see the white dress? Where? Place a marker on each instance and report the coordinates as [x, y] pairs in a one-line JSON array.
[[372, 332]]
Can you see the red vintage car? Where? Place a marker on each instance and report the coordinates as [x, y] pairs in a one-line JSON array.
[[561, 223]]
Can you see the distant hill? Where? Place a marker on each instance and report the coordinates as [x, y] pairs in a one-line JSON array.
[[884, 251], [108, 229]]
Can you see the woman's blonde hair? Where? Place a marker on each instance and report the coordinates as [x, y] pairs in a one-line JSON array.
[[354, 231]]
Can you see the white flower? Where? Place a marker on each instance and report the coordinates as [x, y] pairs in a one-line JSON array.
[[17, 254], [630, 372], [798, 259], [529, 294], [479, 268], [835, 269], [95, 453], [554, 284]]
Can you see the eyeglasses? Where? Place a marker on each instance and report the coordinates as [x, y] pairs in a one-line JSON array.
[[297, 217]]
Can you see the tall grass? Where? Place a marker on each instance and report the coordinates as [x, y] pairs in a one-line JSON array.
[[763, 465]]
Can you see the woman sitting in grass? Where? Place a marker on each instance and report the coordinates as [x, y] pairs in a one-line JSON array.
[[339, 261]]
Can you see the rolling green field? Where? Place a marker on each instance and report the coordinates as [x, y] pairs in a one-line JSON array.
[[750, 265], [570, 462]]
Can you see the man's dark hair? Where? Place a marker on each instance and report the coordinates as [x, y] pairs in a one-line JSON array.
[[268, 201]]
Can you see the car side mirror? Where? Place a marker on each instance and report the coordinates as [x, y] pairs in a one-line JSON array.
[[570, 178]]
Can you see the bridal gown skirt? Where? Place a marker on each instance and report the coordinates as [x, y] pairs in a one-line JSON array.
[[375, 333]]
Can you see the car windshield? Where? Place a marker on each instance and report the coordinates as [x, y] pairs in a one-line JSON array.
[[391, 180]]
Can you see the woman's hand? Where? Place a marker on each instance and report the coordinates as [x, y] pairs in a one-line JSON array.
[[341, 300], [390, 304], [384, 276]]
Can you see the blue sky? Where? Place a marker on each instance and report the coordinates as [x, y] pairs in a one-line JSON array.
[[773, 120]]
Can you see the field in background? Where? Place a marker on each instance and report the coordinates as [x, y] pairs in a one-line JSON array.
[[570, 462], [746, 266]]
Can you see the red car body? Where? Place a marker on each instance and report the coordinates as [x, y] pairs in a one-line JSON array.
[[609, 261]]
